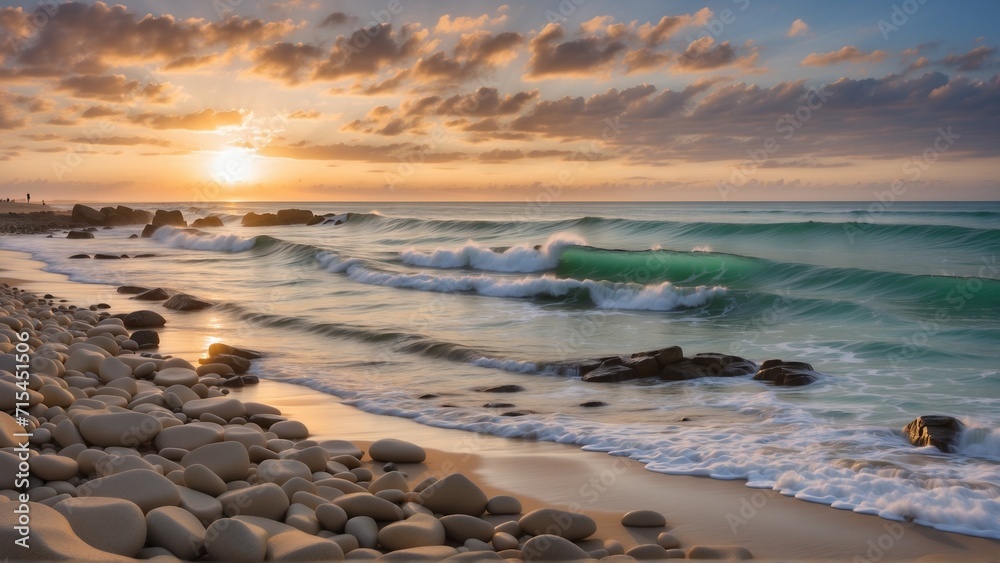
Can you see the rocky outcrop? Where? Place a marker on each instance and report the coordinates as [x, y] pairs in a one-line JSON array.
[[109, 216], [148, 230], [79, 235], [787, 374], [283, 217], [155, 294], [171, 218], [185, 302], [88, 215], [220, 348], [942, 432], [210, 221]]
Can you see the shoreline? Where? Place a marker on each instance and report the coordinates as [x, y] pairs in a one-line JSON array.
[[698, 510]]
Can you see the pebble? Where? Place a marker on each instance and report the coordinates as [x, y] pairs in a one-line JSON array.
[[147, 489], [644, 519], [203, 479], [729, 552], [365, 504], [502, 541], [229, 460], [52, 537], [289, 430], [53, 467], [176, 376], [129, 429], [176, 530], [266, 501], [109, 524], [667, 540], [279, 471], [188, 436], [462, 527], [503, 505], [568, 525], [364, 529], [548, 547], [223, 407], [206, 509], [234, 540], [112, 369], [397, 451], [299, 546], [391, 480], [331, 517], [454, 494], [417, 531], [647, 552]]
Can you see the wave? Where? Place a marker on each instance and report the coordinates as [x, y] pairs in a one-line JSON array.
[[192, 239], [519, 258]]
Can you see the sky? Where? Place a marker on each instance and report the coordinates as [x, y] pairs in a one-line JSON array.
[[568, 100]]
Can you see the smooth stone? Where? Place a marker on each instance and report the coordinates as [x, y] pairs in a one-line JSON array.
[[176, 376], [426, 553], [417, 531], [203, 479], [230, 539], [666, 540], [84, 361], [109, 524], [144, 370], [503, 505], [147, 489], [332, 517], [314, 457], [188, 436], [176, 530], [502, 541], [52, 536], [279, 471], [647, 552], [454, 494], [397, 451], [53, 467], [366, 504], [225, 407], [729, 552], [364, 529], [303, 518], [473, 556], [56, 396], [266, 501], [144, 319], [206, 508], [112, 369], [300, 546], [388, 481], [644, 519], [290, 430], [549, 521], [229, 460], [128, 429], [547, 547], [341, 448]]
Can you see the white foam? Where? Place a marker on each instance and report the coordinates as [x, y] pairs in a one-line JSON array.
[[335, 264], [702, 248], [181, 238], [519, 258]]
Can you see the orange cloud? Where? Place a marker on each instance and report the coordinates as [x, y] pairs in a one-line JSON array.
[[848, 54]]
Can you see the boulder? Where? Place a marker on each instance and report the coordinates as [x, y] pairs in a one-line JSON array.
[[294, 216], [454, 494], [210, 221], [148, 230], [146, 338], [52, 537], [109, 524], [239, 365], [172, 218], [643, 366], [610, 374], [547, 547], [569, 525], [260, 220], [419, 530], [942, 432], [80, 257], [88, 215], [147, 489], [397, 451], [144, 319], [786, 374], [79, 235], [185, 302], [156, 294], [218, 349], [132, 289]]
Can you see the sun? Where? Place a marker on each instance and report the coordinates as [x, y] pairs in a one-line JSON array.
[[234, 165]]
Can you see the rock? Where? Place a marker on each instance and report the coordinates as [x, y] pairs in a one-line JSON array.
[[300, 546], [331, 517], [389, 481], [204, 480], [647, 552], [728, 552], [644, 519], [185, 302], [667, 540], [79, 256], [398, 451], [461, 527], [279, 471], [109, 524], [53, 467], [500, 389], [112, 369], [179, 376], [188, 436], [454, 494], [224, 407], [234, 540], [88, 215], [366, 504], [294, 216], [548, 547], [172, 218], [364, 529], [417, 531], [941, 432], [229, 460], [127, 429], [723, 365], [147, 489], [148, 230], [266, 501], [146, 338], [643, 366], [316, 220], [786, 374], [426, 553], [155, 294], [260, 220], [290, 430], [108, 257], [239, 365], [210, 221], [610, 374], [503, 505], [593, 404], [51, 536], [144, 319], [206, 508], [132, 289], [569, 525], [176, 530], [219, 348]]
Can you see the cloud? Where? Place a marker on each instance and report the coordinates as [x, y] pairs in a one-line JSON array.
[[656, 34], [284, 61], [367, 51], [703, 54], [586, 56], [335, 19], [391, 153], [798, 28], [100, 111], [42, 136], [115, 88], [447, 24], [305, 114], [122, 141], [205, 120], [848, 54], [976, 59], [190, 62]]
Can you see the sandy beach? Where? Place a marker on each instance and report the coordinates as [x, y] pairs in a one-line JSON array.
[[698, 511]]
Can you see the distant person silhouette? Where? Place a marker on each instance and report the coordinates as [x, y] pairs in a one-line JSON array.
[[29, 199]]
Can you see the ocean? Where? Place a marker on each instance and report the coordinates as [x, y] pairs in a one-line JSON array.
[[406, 309]]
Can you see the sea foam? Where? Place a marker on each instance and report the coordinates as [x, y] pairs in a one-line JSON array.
[[196, 240], [518, 258]]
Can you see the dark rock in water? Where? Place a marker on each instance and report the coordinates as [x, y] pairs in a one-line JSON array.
[[109, 228], [148, 230], [294, 216], [683, 371], [643, 366], [250, 379], [593, 404], [612, 361], [133, 235], [610, 374], [723, 365], [156, 294], [499, 405], [79, 235], [89, 215], [220, 348], [260, 220], [143, 319], [265, 421], [90, 230], [500, 389], [210, 221], [103, 306], [429, 396], [123, 256], [146, 338], [239, 365], [586, 366], [235, 381], [185, 302], [79, 256], [941, 432], [663, 356], [132, 289], [390, 467], [172, 218], [106, 257], [517, 413], [315, 220], [786, 374], [145, 255]]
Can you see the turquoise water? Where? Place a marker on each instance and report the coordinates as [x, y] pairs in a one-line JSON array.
[[899, 306]]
